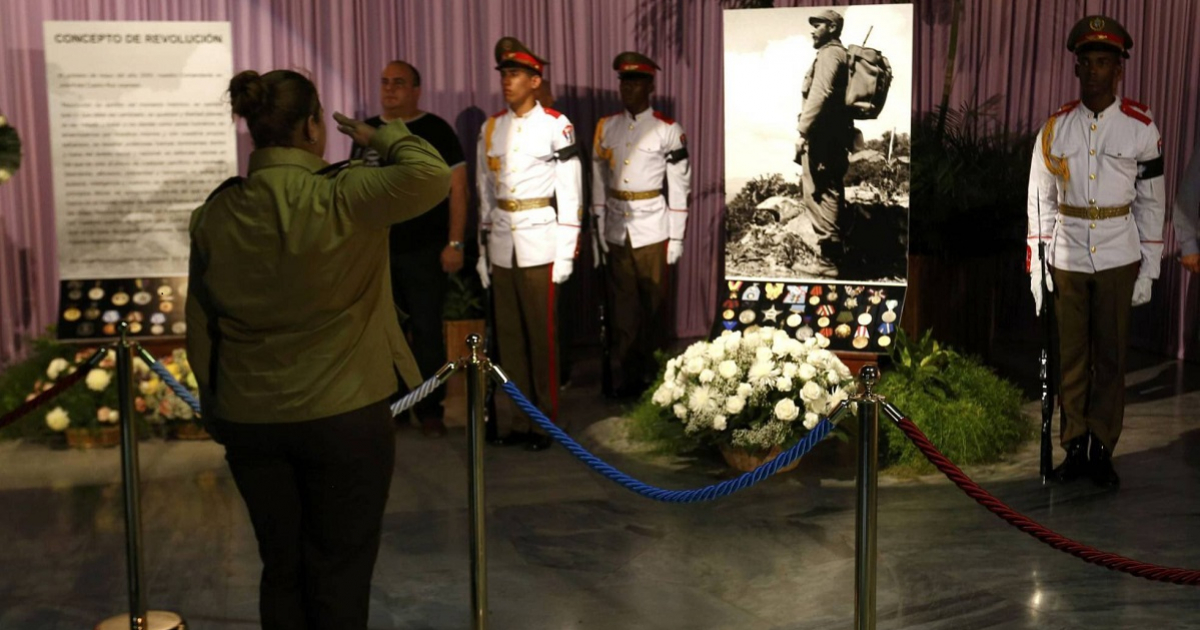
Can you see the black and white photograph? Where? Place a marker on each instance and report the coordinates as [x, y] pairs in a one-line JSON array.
[[817, 140]]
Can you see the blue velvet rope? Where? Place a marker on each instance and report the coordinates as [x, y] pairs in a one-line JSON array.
[[184, 394], [708, 493]]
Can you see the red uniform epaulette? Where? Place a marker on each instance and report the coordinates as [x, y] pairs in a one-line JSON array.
[[1065, 108], [500, 113], [1135, 110], [663, 117], [553, 112]]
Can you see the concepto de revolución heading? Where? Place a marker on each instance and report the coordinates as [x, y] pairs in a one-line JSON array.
[[153, 38]]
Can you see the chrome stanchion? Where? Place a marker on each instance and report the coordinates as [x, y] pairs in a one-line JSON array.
[[865, 513], [476, 384], [138, 617]]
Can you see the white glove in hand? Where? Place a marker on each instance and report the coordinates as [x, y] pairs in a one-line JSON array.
[[1035, 286], [561, 271], [482, 268], [674, 251], [600, 232], [1141, 291]]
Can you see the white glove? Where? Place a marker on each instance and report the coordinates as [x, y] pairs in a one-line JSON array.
[[1141, 291], [674, 251], [1035, 285], [598, 243], [484, 273], [561, 271]]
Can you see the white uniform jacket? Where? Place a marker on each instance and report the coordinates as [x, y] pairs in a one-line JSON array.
[[1098, 160], [523, 158], [635, 154]]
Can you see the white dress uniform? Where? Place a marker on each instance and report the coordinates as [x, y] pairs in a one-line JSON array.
[[521, 170], [1098, 208], [632, 156]]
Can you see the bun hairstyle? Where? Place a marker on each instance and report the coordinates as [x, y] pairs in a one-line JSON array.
[[274, 104]]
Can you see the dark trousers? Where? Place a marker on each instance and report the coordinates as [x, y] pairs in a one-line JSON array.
[[824, 167], [525, 327], [419, 288], [1093, 312], [315, 491], [638, 277]]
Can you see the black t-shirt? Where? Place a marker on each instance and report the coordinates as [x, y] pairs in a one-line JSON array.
[[431, 229]]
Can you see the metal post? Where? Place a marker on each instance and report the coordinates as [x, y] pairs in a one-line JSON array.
[[138, 617], [476, 384], [865, 514]]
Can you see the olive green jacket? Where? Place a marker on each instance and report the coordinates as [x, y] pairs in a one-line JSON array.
[[290, 313]]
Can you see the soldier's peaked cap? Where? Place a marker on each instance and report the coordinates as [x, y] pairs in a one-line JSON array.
[[633, 65], [511, 53], [828, 15], [1099, 31]]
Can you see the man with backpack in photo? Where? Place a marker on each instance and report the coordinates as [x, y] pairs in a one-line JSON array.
[[826, 126]]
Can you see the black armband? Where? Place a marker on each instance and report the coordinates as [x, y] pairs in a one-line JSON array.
[[567, 153], [678, 155], [1150, 169], [334, 169]]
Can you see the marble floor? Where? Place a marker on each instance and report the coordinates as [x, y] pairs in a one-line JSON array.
[[569, 550]]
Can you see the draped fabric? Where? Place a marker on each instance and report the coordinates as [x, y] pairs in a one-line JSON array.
[[1012, 48]]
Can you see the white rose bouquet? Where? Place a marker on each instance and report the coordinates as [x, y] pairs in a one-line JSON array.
[[754, 390]]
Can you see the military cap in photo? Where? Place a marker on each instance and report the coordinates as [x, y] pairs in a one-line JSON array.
[[1097, 30], [511, 53], [633, 65], [828, 15]]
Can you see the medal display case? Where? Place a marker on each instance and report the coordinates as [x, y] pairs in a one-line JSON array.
[[89, 310]]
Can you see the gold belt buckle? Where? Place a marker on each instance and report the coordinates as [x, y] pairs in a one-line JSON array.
[[1093, 213]]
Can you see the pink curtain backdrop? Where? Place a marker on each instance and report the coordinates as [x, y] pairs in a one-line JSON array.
[[1012, 48]]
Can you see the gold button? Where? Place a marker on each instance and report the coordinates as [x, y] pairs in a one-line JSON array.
[[512, 190], [1093, 226], [626, 162], [1093, 126], [514, 228], [514, 169], [626, 215], [518, 130], [1092, 152], [631, 127], [627, 145], [1092, 176], [1092, 201], [625, 180], [1093, 249], [516, 149]]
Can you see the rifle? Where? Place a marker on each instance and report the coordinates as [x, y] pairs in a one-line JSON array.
[[1045, 361], [606, 374]]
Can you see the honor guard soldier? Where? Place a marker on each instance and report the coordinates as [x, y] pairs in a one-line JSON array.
[[639, 227], [1096, 198], [530, 209]]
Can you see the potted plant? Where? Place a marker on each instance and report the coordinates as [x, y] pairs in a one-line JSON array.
[[750, 394], [87, 413]]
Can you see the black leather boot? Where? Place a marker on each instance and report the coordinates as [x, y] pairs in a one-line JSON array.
[[1076, 463], [1102, 472]]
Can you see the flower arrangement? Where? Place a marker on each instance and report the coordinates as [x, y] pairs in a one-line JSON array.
[[756, 390], [90, 405], [156, 400]]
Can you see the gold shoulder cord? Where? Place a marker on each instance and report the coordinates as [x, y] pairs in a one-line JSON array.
[[601, 152], [1056, 165]]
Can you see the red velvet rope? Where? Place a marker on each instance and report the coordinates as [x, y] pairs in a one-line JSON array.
[[45, 397], [1029, 526]]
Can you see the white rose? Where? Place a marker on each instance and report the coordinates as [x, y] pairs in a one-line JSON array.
[[807, 372], [843, 371], [680, 411], [786, 410], [836, 399], [716, 351], [98, 379], [695, 365], [734, 405], [810, 420], [811, 391], [831, 377], [763, 354], [56, 367], [733, 342], [783, 384], [707, 375], [718, 423], [790, 370], [662, 396], [58, 419], [744, 390], [728, 369]]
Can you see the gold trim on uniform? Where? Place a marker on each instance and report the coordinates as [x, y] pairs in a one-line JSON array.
[[1093, 213], [630, 195]]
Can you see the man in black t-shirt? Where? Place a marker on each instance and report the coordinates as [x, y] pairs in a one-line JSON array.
[[426, 249]]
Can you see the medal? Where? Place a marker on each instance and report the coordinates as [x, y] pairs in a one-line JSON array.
[[774, 290], [886, 328], [729, 325], [832, 296], [825, 310], [851, 303], [109, 330], [875, 296], [75, 295], [747, 317], [864, 319], [166, 307], [793, 320], [179, 328], [95, 294], [795, 294], [804, 333], [158, 318], [752, 294], [86, 329], [156, 329], [827, 333], [771, 315], [135, 327], [860, 342], [884, 341], [845, 317], [120, 298], [92, 313], [134, 316], [842, 331], [72, 314], [822, 322], [728, 314], [890, 315], [110, 317]]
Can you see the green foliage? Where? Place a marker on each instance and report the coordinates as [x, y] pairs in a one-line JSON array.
[[10, 150], [969, 181], [873, 167], [969, 412], [464, 297], [17, 381]]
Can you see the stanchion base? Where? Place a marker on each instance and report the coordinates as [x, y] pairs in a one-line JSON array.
[[155, 620]]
